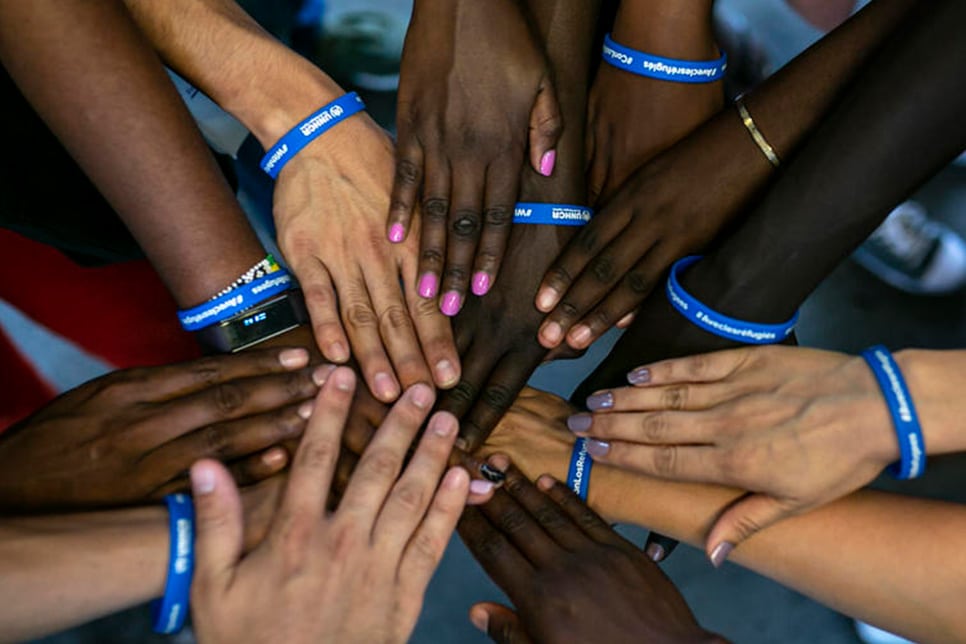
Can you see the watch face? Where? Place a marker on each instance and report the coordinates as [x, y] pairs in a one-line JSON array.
[[263, 322]]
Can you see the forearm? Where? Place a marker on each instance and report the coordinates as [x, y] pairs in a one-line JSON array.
[[667, 28], [110, 103], [229, 57], [65, 570], [936, 381]]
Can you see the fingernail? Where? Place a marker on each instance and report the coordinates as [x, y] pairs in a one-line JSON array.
[[479, 486], [202, 481], [625, 321], [337, 352], [580, 335], [479, 617], [446, 375], [443, 425], [397, 233], [552, 333], [462, 444], [305, 409], [451, 304], [275, 457], [721, 552], [655, 551], [321, 374], [597, 448], [547, 162], [343, 379], [420, 394], [293, 358], [427, 285], [639, 376], [385, 386], [481, 283], [579, 422], [546, 299], [604, 400], [492, 474]]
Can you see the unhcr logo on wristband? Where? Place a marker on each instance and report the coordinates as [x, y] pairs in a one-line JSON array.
[[552, 214]]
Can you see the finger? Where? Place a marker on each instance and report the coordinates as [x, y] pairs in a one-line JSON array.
[[546, 512], [601, 274], [501, 560], [463, 236], [218, 525], [621, 299], [405, 188], [516, 524], [396, 329], [546, 126], [658, 547], [580, 513], [362, 324], [502, 187], [410, 496], [626, 321], [170, 381], [674, 462], [651, 428], [323, 307], [229, 441], [702, 367], [258, 467], [382, 460], [502, 386], [744, 518], [499, 622], [428, 543], [435, 216], [685, 396], [344, 468], [314, 461], [435, 332], [229, 401]]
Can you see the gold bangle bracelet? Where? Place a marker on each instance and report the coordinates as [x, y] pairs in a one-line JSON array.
[[756, 134]]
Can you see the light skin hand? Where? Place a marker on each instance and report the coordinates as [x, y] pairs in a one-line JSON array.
[[464, 130], [356, 574], [797, 428], [145, 427], [330, 202]]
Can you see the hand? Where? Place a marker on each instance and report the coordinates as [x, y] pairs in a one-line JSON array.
[[463, 131], [569, 575], [330, 204], [797, 428], [357, 574], [132, 435]]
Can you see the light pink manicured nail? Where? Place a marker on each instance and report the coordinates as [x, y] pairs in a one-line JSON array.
[[428, 284], [547, 162], [481, 283], [451, 304], [397, 233]]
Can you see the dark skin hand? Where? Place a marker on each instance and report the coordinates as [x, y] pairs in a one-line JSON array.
[[496, 334], [131, 436], [463, 132], [676, 204], [570, 577]]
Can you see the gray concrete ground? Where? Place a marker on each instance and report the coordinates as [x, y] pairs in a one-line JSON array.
[[849, 311]]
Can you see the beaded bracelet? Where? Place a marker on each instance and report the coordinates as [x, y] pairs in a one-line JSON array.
[[261, 269]]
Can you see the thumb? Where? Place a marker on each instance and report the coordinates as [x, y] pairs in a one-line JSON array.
[[219, 529], [546, 125], [741, 520], [500, 623]]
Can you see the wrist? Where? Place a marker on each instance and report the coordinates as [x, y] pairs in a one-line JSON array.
[[936, 380], [667, 28]]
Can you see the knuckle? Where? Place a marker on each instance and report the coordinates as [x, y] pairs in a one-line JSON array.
[[675, 397], [431, 257], [456, 275], [569, 309], [697, 366], [435, 210], [316, 454], [665, 460], [227, 397], [601, 319], [427, 548], [206, 371], [360, 316], [512, 521], [548, 517], [498, 396], [411, 497], [463, 393], [466, 225], [559, 277], [602, 268], [394, 319], [214, 439], [380, 463], [637, 283], [654, 428], [587, 239], [550, 126], [498, 216], [407, 173]]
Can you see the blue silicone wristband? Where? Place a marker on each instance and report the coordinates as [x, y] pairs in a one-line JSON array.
[[578, 476], [669, 69], [912, 447], [551, 214], [235, 301], [169, 612], [308, 130], [716, 323]]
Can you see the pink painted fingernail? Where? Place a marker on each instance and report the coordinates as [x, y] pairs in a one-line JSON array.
[[547, 162], [427, 285], [397, 233], [481, 283], [720, 553], [451, 304], [479, 486]]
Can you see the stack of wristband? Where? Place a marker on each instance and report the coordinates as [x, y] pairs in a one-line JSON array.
[[169, 612], [249, 313]]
